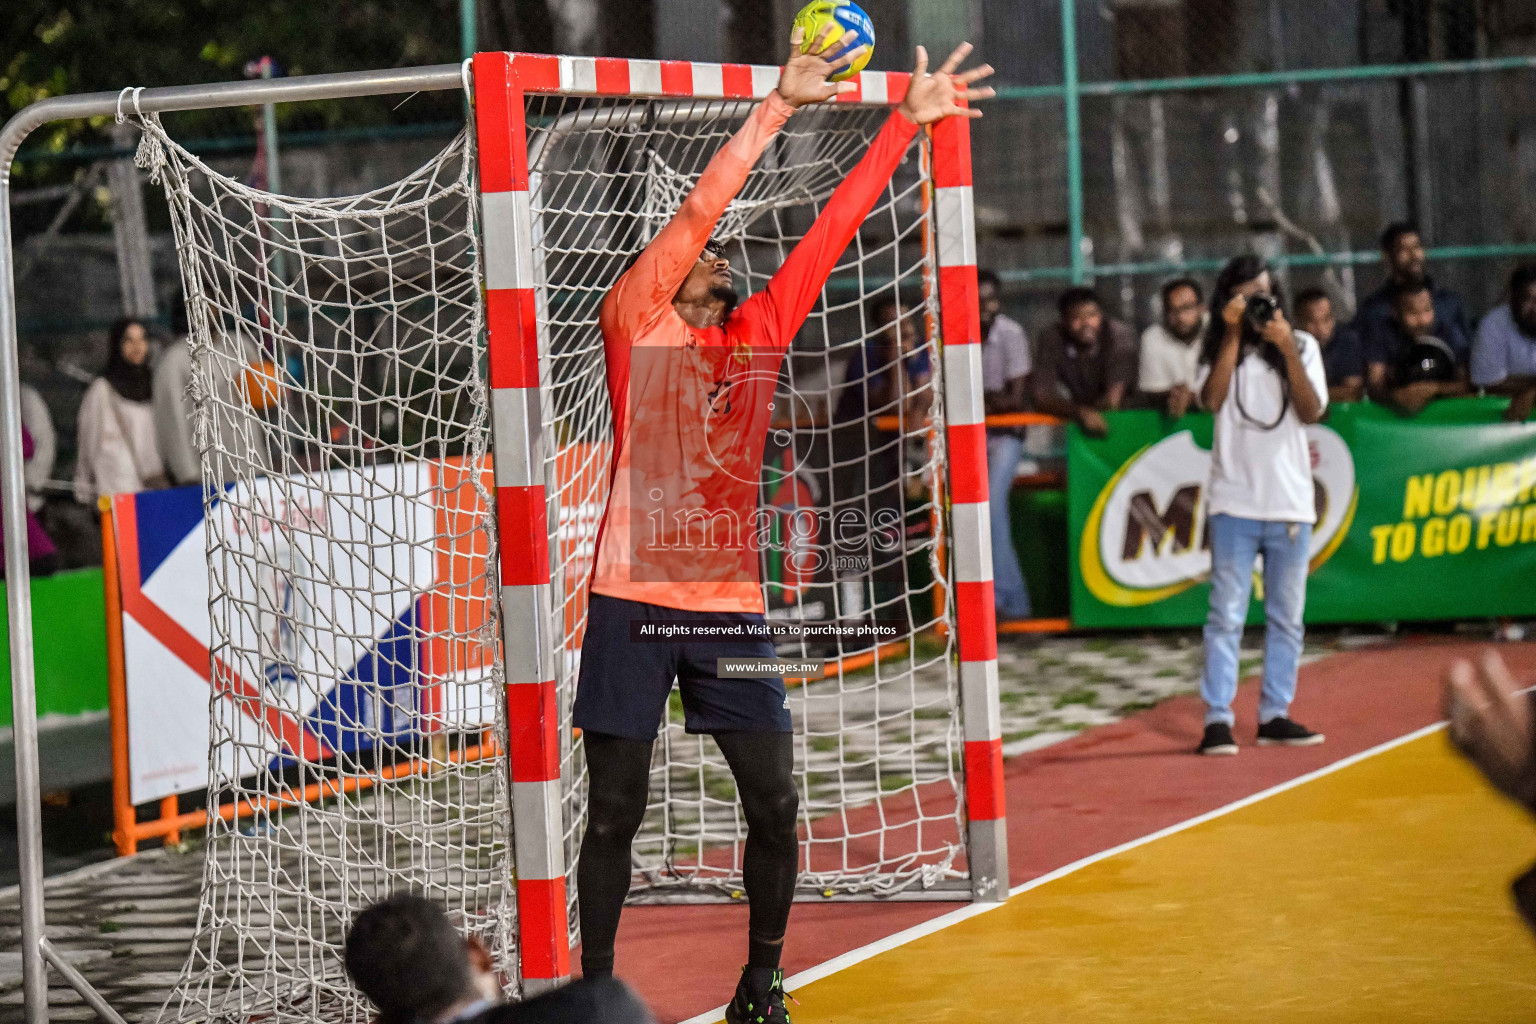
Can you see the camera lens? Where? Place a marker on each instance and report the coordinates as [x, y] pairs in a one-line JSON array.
[[1261, 310]]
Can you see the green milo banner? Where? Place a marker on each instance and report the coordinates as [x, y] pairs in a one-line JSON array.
[[1426, 518]]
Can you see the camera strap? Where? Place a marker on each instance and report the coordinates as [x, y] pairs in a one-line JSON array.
[[1237, 387]]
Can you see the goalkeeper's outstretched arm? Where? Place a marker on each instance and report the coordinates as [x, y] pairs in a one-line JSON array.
[[645, 292], [930, 98]]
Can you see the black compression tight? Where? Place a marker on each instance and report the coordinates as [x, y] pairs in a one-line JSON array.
[[618, 774]]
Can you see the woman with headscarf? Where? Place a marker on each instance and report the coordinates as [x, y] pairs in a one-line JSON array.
[[118, 453]]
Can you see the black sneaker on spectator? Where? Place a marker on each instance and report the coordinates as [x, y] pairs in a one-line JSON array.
[[1282, 732], [1217, 741]]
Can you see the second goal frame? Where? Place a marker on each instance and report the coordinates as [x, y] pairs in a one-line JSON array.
[[525, 500]]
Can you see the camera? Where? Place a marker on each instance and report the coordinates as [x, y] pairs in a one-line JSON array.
[[1260, 311], [1425, 359]]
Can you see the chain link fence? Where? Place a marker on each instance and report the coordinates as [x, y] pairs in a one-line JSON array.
[[1297, 129]]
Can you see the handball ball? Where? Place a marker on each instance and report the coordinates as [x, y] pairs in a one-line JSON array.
[[260, 386], [846, 16]]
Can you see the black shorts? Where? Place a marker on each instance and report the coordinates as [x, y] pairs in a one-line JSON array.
[[624, 683]]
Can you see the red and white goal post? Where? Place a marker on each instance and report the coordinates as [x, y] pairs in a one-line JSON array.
[[530, 467]]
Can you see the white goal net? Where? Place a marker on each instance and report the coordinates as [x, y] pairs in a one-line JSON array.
[[341, 409], [878, 741]]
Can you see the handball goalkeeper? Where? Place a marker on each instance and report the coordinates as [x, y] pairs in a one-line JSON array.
[[691, 377]]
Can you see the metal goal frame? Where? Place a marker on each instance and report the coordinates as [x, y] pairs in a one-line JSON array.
[[500, 81]]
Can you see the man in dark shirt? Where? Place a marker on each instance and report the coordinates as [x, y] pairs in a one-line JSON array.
[[889, 375], [1343, 362], [1402, 250], [407, 957], [1086, 363], [1414, 322]]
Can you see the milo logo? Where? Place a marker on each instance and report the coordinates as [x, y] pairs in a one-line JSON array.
[[1146, 537]]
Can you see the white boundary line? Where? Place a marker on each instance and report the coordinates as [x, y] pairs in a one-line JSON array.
[[901, 938]]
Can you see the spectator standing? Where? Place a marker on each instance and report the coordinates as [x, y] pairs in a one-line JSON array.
[[1085, 365], [118, 453], [1402, 251], [1005, 378], [886, 376], [1170, 348], [38, 421], [246, 395], [1263, 382], [406, 956], [1415, 364], [172, 409], [1504, 354], [1343, 361], [42, 556]]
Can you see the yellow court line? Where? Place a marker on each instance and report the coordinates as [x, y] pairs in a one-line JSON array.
[[1376, 893]]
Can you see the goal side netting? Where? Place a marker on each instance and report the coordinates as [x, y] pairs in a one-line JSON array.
[[851, 477], [337, 350]]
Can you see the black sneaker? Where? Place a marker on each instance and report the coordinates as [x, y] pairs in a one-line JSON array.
[[1217, 741], [1282, 732], [759, 998]]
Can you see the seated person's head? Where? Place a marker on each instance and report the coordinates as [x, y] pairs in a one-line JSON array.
[[1522, 298], [1403, 249], [1314, 314], [1183, 308], [989, 296], [892, 321], [1414, 309], [1082, 316], [409, 959]]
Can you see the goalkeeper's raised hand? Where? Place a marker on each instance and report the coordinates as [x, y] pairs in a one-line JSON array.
[[933, 97], [804, 79]]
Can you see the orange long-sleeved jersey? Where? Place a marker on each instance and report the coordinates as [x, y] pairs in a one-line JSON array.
[[692, 408]]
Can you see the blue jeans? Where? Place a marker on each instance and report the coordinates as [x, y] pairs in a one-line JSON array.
[[1235, 544], [1008, 589]]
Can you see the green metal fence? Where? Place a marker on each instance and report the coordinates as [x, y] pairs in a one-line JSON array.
[[1165, 136]]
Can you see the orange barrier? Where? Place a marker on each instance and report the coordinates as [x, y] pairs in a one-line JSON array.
[[1015, 627], [1002, 419], [1037, 481], [170, 823]]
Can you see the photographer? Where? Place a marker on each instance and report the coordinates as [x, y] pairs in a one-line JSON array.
[[1263, 382]]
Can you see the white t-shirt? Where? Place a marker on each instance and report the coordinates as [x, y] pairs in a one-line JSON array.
[[1258, 473], [117, 450], [1167, 362]]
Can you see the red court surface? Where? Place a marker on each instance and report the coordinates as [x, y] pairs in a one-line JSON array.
[[1104, 787]]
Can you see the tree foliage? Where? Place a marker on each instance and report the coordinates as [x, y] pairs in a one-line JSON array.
[[56, 47]]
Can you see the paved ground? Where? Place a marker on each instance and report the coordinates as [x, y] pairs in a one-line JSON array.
[[128, 924]]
